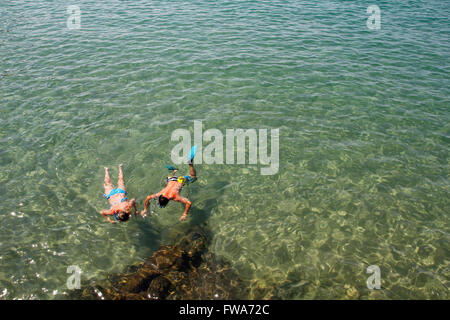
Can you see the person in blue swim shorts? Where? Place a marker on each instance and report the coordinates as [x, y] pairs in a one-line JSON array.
[[120, 209]]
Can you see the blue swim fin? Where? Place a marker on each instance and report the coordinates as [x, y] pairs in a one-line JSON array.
[[192, 153], [171, 168]]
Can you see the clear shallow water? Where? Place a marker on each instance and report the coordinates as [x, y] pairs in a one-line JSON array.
[[364, 140]]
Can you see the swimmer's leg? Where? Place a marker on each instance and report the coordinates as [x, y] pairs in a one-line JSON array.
[[108, 185], [192, 171], [121, 181]]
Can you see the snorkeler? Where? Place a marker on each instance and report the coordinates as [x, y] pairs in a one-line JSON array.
[[120, 209], [172, 190]]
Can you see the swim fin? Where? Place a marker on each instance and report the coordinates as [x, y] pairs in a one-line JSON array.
[[192, 153]]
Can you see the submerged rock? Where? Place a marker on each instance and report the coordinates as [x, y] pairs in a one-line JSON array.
[[181, 271]]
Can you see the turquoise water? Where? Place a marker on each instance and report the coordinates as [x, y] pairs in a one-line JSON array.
[[364, 141]]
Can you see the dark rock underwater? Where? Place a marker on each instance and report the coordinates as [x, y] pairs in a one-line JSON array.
[[174, 272]]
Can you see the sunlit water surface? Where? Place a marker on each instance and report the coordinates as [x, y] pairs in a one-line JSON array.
[[364, 141]]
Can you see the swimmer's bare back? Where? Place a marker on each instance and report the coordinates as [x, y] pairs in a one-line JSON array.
[[120, 206], [172, 192]]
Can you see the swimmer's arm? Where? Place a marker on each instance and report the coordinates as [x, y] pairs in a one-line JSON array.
[[108, 219], [147, 202], [133, 203], [107, 212], [187, 207]]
